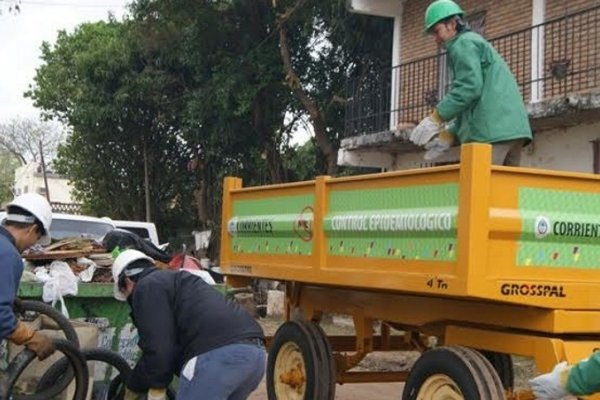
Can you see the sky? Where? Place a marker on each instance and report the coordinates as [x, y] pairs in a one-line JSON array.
[[22, 35]]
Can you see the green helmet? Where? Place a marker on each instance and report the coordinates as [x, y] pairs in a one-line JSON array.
[[439, 10]]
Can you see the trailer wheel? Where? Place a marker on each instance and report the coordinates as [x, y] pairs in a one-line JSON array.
[[450, 373], [503, 365], [292, 368], [486, 372], [327, 375]]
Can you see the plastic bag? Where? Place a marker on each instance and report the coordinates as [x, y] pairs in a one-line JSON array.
[[87, 274], [62, 282]]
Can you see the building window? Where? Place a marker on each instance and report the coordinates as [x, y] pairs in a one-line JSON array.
[[41, 190], [26, 189]]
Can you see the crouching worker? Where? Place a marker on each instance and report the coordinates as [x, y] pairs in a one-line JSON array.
[[581, 379], [185, 327], [27, 222]]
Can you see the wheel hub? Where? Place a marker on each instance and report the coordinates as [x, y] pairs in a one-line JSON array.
[[439, 387]]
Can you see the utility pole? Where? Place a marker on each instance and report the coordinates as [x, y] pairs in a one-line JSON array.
[[146, 180], [44, 172]]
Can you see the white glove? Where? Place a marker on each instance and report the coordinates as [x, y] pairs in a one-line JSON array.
[[435, 148], [426, 130], [550, 386], [157, 394]]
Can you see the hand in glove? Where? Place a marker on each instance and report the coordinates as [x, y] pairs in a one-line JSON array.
[[427, 129], [37, 342], [439, 145], [41, 345], [157, 394], [551, 386], [131, 395]]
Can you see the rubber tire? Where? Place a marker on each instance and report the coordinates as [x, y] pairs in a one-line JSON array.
[[503, 365], [297, 333], [63, 323], [42, 308], [61, 367], [446, 361], [326, 370], [486, 372], [75, 358]]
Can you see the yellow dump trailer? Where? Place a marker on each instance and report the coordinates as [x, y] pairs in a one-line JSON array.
[[488, 260]]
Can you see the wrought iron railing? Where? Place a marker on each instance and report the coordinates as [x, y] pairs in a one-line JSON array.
[[556, 58]]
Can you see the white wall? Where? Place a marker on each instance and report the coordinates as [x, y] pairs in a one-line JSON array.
[[559, 149], [28, 180], [564, 149]]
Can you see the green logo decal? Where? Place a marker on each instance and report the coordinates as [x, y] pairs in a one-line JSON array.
[[408, 223], [277, 225], [559, 228]]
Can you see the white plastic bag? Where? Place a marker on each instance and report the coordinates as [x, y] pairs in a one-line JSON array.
[[87, 274], [62, 282]]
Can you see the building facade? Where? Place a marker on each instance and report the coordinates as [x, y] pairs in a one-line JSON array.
[[30, 179], [552, 47]]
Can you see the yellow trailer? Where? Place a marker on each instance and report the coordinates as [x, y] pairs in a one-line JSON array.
[[491, 261]]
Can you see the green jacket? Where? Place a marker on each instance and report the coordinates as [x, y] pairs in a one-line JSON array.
[[584, 377], [484, 100]]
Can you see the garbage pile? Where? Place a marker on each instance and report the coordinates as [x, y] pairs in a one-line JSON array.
[[88, 260], [72, 260]]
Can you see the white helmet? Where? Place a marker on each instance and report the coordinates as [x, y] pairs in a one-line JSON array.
[[120, 263], [39, 207]]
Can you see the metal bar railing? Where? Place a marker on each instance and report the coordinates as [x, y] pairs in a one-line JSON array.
[[558, 57]]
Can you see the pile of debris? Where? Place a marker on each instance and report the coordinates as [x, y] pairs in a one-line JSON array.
[[87, 258]]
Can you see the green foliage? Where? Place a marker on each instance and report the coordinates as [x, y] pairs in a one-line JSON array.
[[198, 88], [8, 164], [95, 81]]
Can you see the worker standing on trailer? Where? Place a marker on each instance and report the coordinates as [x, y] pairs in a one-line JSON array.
[[484, 104], [186, 327], [581, 379], [27, 222]]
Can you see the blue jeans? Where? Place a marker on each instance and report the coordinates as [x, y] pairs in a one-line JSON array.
[[228, 373]]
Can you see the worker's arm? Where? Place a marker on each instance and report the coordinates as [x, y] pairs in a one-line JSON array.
[[155, 322], [8, 289], [467, 83], [584, 376]]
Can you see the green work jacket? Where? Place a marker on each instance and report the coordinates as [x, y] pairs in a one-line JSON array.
[[584, 377], [484, 102]]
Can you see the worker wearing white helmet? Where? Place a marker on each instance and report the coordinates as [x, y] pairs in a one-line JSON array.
[[27, 222], [186, 327]]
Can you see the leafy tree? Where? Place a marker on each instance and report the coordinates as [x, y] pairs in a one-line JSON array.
[[123, 156], [322, 44]]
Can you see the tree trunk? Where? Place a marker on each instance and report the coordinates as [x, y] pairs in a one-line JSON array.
[[317, 116], [271, 150]]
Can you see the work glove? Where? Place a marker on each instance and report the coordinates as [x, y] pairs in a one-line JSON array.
[[438, 145], [131, 395], [35, 341], [157, 394], [551, 386], [427, 129]]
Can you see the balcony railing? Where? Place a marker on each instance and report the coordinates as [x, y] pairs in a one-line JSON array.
[[553, 59]]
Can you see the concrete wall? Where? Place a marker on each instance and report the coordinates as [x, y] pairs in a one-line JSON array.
[[560, 149]]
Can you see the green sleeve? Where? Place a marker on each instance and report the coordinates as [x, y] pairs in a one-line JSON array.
[[584, 377], [467, 83]]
